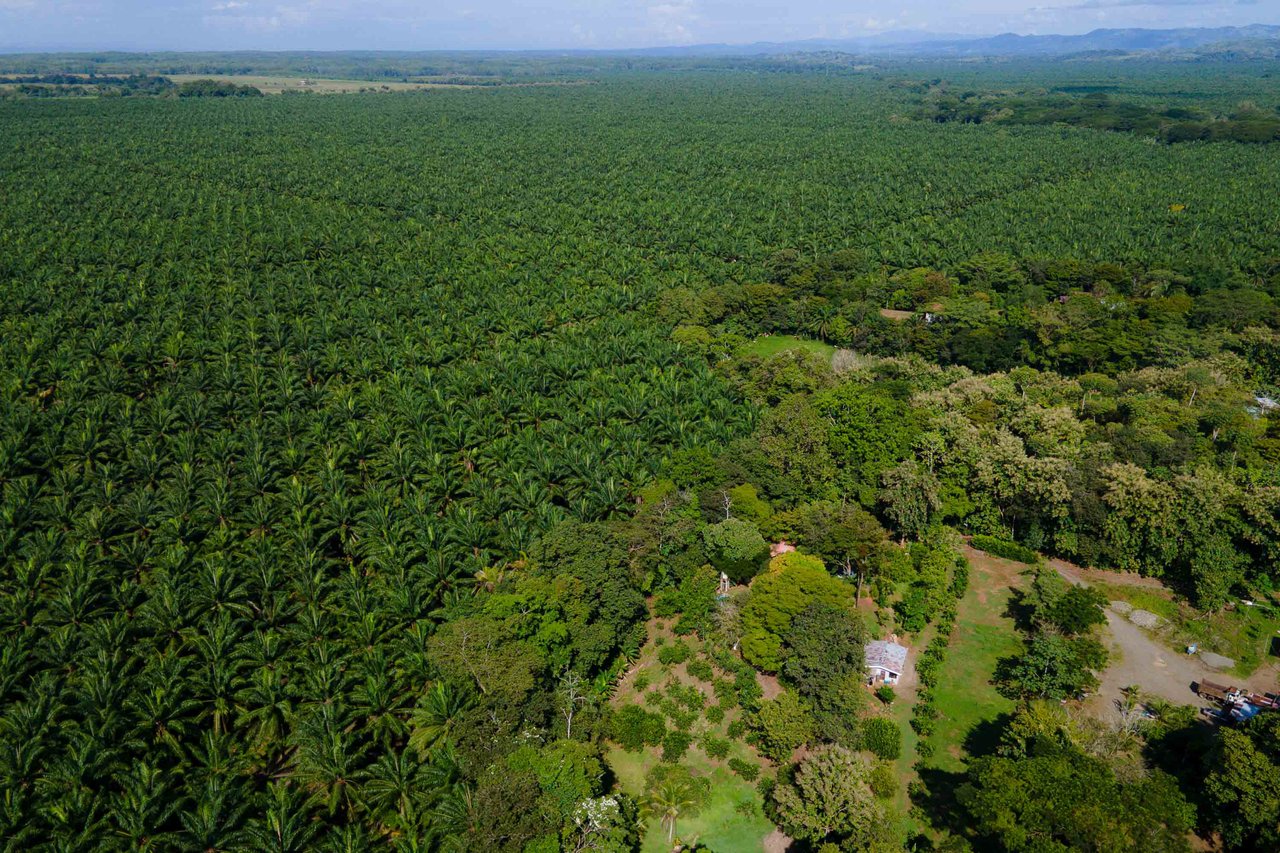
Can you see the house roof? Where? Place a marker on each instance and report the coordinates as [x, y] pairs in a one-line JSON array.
[[886, 654], [783, 547]]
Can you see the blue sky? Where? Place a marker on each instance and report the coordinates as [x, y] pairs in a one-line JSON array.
[[513, 24]]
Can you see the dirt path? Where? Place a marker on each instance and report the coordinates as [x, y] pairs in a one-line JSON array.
[[1079, 574], [1138, 659], [777, 842]]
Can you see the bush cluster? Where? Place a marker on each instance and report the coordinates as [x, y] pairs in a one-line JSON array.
[[634, 728], [675, 745], [677, 652], [700, 670], [1004, 548]]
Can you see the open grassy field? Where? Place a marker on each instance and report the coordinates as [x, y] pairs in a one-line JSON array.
[[983, 635], [768, 345], [279, 85], [731, 821]]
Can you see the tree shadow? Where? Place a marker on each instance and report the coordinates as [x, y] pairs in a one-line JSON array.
[[937, 797], [984, 738], [938, 800], [1020, 611]]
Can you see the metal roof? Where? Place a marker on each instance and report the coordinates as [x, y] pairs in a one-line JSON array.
[[886, 655]]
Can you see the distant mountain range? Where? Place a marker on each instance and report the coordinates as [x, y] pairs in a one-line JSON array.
[[910, 43]]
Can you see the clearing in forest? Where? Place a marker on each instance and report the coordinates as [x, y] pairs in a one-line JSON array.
[[706, 709], [984, 634], [767, 345]]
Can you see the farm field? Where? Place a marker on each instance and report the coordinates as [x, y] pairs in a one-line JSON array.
[[277, 85]]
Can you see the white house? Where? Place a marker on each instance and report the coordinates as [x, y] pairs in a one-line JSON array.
[[885, 661]]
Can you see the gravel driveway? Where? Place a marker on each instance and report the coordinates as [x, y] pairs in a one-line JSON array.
[[1158, 670]]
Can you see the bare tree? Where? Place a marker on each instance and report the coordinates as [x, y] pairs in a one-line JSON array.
[[572, 693]]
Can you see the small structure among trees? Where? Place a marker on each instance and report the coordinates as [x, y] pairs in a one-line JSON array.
[[886, 660]]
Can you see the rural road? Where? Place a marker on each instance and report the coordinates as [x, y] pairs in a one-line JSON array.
[[1158, 670]]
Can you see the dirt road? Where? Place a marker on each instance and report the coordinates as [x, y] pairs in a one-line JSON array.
[[1159, 671]]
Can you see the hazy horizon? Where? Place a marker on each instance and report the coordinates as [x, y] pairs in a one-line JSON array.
[[226, 25]]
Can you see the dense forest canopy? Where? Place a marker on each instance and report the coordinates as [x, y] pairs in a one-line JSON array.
[[1097, 109], [355, 448]]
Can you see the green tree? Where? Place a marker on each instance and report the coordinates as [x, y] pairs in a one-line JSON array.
[[910, 497], [825, 662], [883, 737], [1061, 800], [783, 724], [1078, 609], [777, 597], [1052, 667], [736, 548], [1243, 785], [830, 799]]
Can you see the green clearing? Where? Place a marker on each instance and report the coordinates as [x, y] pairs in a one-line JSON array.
[[768, 345], [724, 825], [983, 634], [733, 818]]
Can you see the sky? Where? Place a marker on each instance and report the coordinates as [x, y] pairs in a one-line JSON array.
[[555, 24]]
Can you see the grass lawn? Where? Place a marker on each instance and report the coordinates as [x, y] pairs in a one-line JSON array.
[[724, 825], [983, 634], [773, 344]]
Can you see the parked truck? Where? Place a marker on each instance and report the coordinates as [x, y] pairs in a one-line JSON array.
[[1217, 692]]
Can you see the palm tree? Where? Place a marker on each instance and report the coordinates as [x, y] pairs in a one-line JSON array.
[[285, 826], [673, 793], [438, 711], [391, 789]]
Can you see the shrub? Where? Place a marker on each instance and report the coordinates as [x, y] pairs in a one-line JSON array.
[[683, 720], [923, 727], [634, 727], [725, 690], [960, 578], [885, 694], [714, 714], [687, 696], [745, 769], [927, 710], [736, 729], [748, 689], [783, 724], [675, 745], [715, 747], [883, 782], [927, 669], [666, 605], [700, 670], [677, 652], [1004, 548], [653, 697], [642, 682], [882, 737], [925, 748]]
